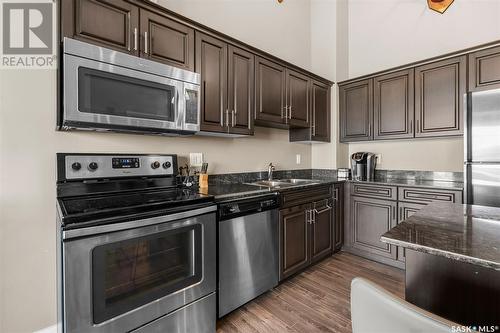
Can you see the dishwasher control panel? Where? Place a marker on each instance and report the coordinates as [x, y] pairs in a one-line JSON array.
[[246, 206]]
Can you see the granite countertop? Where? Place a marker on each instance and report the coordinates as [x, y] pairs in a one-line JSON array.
[[467, 233], [227, 190]]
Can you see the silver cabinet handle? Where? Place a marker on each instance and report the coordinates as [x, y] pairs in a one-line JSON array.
[[411, 126], [393, 212], [146, 42], [135, 39], [290, 113], [286, 112], [227, 118], [233, 118], [401, 213], [418, 126]]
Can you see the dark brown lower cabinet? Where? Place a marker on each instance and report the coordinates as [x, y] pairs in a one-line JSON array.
[[406, 209], [306, 234], [322, 229], [370, 218], [294, 239], [338, 225]]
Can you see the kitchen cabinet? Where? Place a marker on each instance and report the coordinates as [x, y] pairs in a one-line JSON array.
[[110, 23], [322, 229], [356, 111], [370, 218], [372, 209], [166, 41], [211, 63], [294, 239], [393, 105], [439, 97], [319, 130], [307, 228], [405, 211], [270, 93], [298, 99], [227, 76], [338, 224], [241, 84], [484, 69]]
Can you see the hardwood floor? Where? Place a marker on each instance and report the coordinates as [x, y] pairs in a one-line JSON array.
[[316, 300]]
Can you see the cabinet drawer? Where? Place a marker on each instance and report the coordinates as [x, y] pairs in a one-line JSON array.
[[375, 191], [297, 197], [428, 195]]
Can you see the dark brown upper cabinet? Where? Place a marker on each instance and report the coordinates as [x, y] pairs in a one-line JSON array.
[[166, 41], [356, 111], [439, 97], [270, 90], [484, 69], [393, 105], [211, 63], [298, 99], [241, 84], [110, 23], [319, 130]]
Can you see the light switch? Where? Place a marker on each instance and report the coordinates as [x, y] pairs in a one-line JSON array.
[[297, 158], [195, 159]]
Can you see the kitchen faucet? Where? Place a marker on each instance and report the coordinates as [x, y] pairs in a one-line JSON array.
[[270, 170]]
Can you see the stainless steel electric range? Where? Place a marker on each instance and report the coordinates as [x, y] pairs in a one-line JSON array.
[[137, 251]]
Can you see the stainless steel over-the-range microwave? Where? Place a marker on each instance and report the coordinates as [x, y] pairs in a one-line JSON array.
[[109, 90]]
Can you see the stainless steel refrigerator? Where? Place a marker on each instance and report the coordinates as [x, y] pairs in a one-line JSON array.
[[482, 148]]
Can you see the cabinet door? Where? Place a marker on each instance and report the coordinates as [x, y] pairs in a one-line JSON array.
[[111, 23], [439, 97], [322, 230], [320, 94], [484, 69], [338, 224], [356, 111], [294, 239], [241, 82], [298, 99], [405, 211], [370, 218], [211, 63], [270, 92], [393, 105], [167, 41]]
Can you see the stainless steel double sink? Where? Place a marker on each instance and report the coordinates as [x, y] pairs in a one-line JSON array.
[[279, 183]]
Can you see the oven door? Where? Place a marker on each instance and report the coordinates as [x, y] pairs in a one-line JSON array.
[[119, 281], [99, 95]]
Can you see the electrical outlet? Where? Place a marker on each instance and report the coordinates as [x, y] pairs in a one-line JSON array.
[[379, 159], [195, 159], [297, 158]]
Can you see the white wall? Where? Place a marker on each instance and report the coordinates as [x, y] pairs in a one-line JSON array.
[[388, 33], [29, 143]]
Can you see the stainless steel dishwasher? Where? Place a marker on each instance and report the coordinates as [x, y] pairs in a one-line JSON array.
[[248, 250]]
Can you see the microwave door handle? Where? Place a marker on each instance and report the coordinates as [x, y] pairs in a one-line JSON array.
[[178, 112]]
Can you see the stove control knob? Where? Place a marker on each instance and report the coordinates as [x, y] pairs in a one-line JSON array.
[[155, 165], [167, 165], [76, 166], [93, 166]]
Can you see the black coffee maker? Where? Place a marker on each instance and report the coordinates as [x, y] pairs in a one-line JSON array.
[[363, 166]]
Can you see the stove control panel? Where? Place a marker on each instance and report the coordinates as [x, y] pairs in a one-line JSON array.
[[81, 167]]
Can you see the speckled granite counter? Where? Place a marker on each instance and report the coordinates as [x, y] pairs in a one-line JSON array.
[[466, 233], [233, 190]]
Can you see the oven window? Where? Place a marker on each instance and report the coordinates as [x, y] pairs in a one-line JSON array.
[[105, 93], [131, 273]]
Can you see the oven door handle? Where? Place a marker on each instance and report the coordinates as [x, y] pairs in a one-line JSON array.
[[107, 228]]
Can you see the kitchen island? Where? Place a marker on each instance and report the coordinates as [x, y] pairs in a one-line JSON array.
[[452, 261]]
